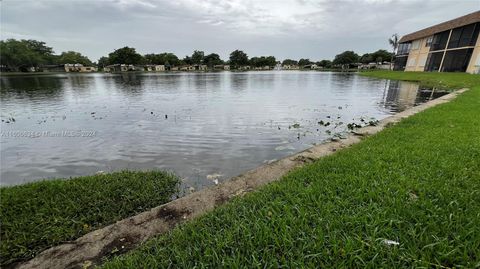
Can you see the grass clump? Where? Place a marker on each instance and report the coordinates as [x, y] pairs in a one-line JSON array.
[[430, 79], [42, 214], [416, 183]]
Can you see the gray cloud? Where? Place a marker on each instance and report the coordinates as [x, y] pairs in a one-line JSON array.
[[315, 29]]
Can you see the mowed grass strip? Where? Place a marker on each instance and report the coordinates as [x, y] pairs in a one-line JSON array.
[[43, 214], [447, 81], [416, 183]]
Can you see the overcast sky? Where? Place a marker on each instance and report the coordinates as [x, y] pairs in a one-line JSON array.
[[315, 29]]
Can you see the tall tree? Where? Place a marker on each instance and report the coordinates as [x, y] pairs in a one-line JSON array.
[[366, 58], [346, 58], [393, 41], [289, 62], [19, 55], [212, 59], [382, 55], [73, 57], [103, 61], [238, 58], [187, 60], [125, 55], [303, 62], [197, 57], [325, 63]]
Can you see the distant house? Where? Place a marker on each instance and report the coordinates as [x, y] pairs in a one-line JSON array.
[[79, 68], [311, 66], [53, 68], [154, 67], [290, 67], [451, 46], [174, 68], [221, 67], [200, 67], [245, 67], [119, 68], [382, 66]]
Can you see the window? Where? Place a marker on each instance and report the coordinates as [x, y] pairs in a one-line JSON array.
[[469, 35], [422, 60], [404, 48], [464, 36], [455, 38], [439, 41], [457, 60], [433, 61], [429, 41], [400, 63]]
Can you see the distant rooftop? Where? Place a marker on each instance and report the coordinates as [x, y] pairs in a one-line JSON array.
[[458, 22]]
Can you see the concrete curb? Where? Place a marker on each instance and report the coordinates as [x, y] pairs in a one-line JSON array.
[[130, 232]]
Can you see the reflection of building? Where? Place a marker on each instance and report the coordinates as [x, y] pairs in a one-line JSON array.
[[400, 95], [451, 46]]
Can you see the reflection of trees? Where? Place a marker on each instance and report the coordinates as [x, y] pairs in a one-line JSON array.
[[238, 82], [31, 87]]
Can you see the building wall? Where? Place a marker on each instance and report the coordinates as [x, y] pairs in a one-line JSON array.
[[417, 58], [443, 58]]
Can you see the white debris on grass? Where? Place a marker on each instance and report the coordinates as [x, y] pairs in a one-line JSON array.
[[390, 242]]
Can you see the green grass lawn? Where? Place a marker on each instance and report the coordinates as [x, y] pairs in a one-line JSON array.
[[39, 215], [442, 80], [416, 183]]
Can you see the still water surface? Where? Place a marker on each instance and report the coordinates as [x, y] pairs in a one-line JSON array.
[[202, 126]]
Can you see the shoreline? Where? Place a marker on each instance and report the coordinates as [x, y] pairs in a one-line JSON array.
[[22, 74], [134, 230]]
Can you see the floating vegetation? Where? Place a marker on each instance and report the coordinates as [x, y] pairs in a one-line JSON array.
[[353, 125]]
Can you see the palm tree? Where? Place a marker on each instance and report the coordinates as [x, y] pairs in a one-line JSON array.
[[394, 43]]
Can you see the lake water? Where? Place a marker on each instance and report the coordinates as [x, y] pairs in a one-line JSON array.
[[202, 126]]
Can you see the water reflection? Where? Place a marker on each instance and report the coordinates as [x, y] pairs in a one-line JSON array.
[[400, 95], [194, 124]]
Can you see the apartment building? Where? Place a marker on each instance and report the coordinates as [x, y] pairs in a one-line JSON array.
[[451, 46]]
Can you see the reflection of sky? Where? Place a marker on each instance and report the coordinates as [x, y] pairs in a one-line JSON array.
[[194, 124]]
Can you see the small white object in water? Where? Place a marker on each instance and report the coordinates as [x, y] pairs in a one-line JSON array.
[[215, 181], [390, 242], [100, 173], [214, 176]]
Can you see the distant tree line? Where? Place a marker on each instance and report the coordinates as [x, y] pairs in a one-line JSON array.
[[20, 55]]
